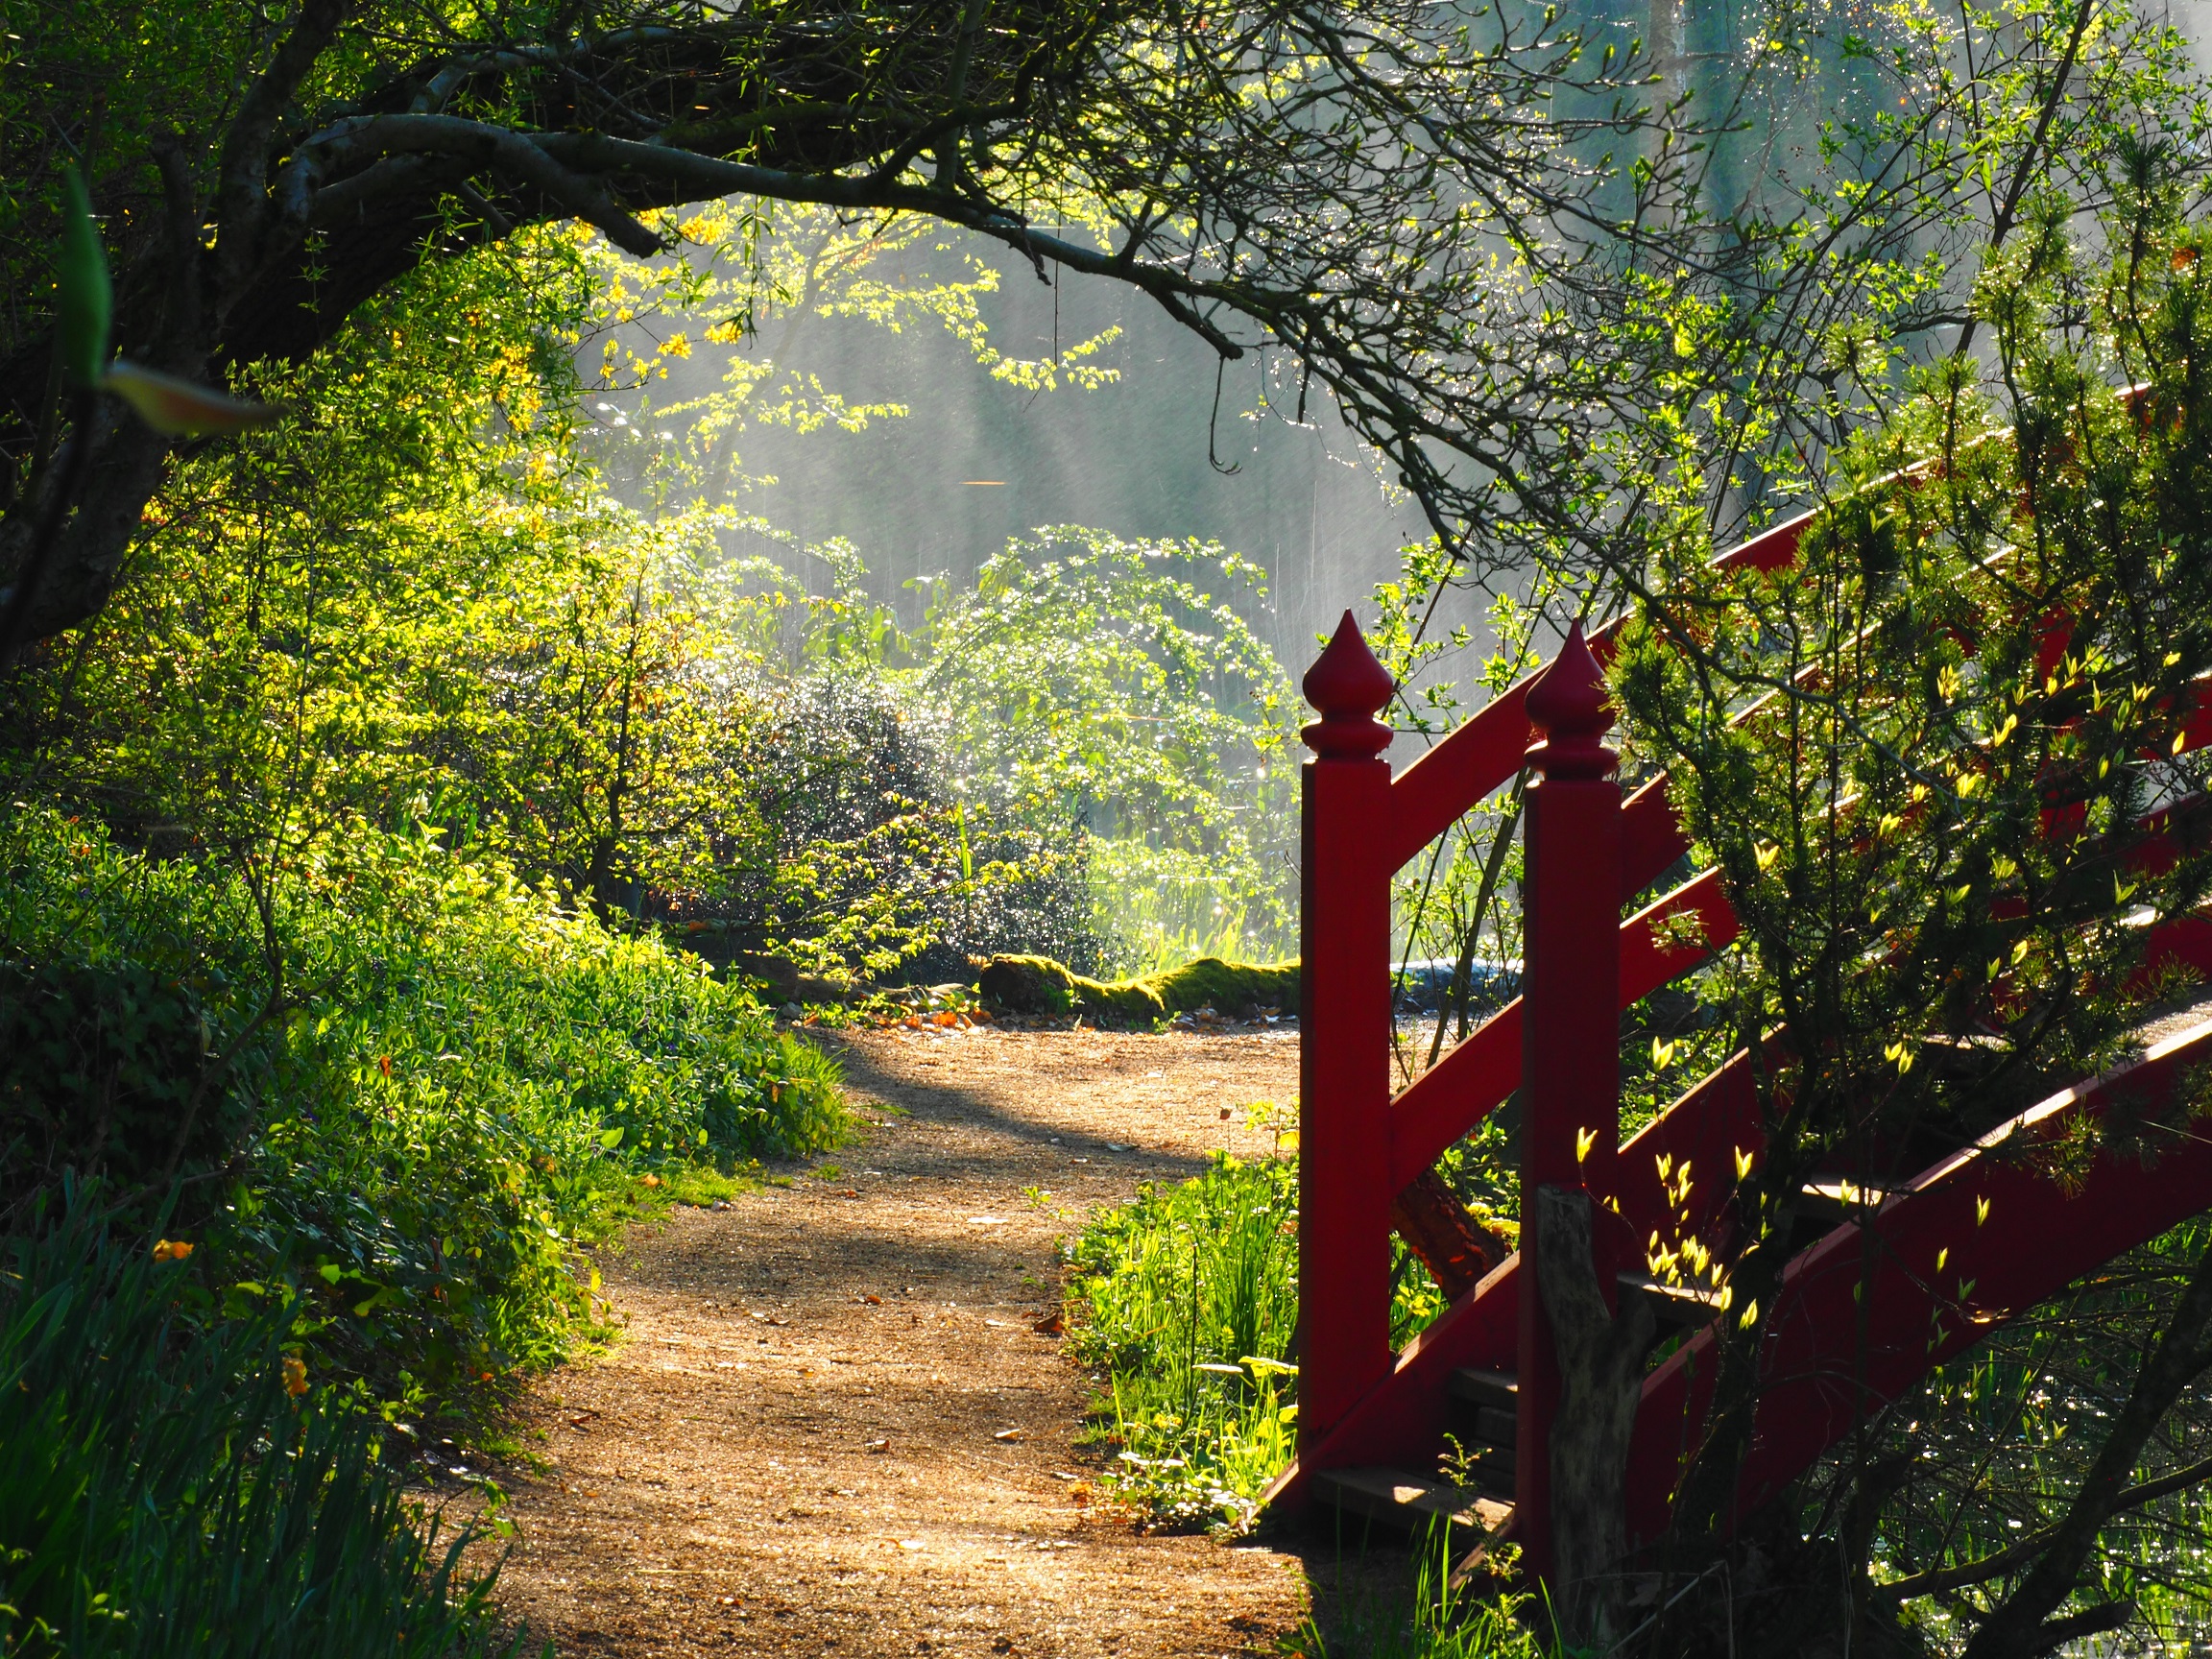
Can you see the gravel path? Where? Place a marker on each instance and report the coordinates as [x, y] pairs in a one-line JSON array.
[[836, 1427]]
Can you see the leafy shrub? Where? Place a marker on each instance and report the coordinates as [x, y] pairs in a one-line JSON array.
[[854, 848], [459, 1083], [104, 1067], [1112, 683], [163, 1493]]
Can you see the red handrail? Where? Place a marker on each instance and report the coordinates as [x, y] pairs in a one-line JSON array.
[[1359, 1148], [1482, 756]]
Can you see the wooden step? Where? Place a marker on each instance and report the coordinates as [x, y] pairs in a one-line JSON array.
[[1495, 1389], [1672, 1304], [1399, 1497], [1838, 1200], [1496, 1428]]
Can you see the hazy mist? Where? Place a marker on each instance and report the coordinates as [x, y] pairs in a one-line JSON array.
[[977, 462]]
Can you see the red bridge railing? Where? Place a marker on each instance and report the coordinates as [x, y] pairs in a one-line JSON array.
[[1363, 1152]]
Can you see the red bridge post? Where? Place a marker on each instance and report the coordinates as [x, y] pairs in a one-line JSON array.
[[1571, 1077], [1344, 1039]]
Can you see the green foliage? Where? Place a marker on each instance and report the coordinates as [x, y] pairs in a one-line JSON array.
[[1436, 1619], [1184, 1302], [106, 1067], [1995, 1445], [85, 301], [408, 593], [852, 850], [1112, 683], [1928, 757], [1455, 905], [162, 1493], [458, 1083], [417, 600]]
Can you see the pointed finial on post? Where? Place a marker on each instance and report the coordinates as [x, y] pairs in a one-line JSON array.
[[1348, 687], [1568, 708]]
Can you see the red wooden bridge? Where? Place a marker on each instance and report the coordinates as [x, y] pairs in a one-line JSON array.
[[1960, 1247]]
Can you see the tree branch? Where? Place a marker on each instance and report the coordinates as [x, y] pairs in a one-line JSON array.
[[2179, 1357], [241, 203], [1941, 1580], [524, 161]]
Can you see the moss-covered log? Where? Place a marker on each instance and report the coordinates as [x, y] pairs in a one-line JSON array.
[[1040, 985]]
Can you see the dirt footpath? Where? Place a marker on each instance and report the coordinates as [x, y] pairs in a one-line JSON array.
[[835, 1427]]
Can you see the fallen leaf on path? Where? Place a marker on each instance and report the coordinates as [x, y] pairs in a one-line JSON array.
[[876, 1445], [1051, 1325], [1007, 1434], [872, 1301], [909, 1542]]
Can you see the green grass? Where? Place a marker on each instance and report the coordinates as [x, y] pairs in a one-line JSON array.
[[1184, 1302], [1432, 1619]]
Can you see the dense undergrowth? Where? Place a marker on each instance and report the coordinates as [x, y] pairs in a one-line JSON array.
[[431, 1083], [1184, 1302]]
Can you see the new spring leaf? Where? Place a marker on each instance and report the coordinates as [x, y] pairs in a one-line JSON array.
[[86, 300]]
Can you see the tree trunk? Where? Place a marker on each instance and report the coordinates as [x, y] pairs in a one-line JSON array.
[[1455, 1248], [1600, 1356]]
